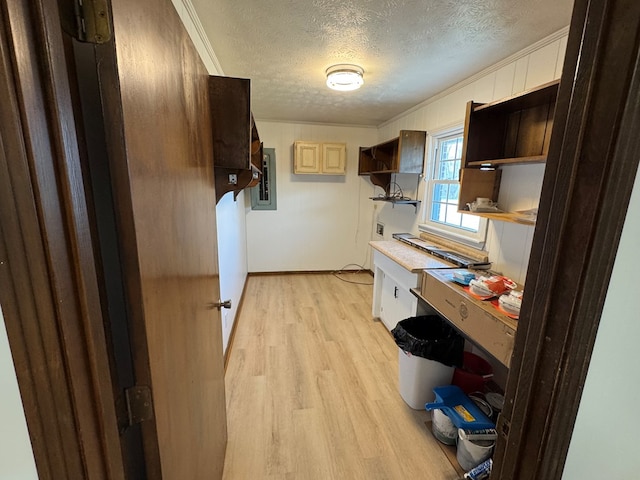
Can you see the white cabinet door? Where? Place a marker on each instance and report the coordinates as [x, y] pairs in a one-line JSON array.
[[396, 303]]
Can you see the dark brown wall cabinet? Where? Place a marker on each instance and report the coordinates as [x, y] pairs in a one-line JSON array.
[[514, 130], [237, 150], [403, 154]]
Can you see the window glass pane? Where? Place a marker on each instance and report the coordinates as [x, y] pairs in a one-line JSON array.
[[440, 192], [453, 171], [452, 216], [448, 150], [470, 222], [454, 191], [437, 212], [442, 170]]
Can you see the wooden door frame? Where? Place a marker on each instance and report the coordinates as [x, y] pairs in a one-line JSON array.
[[590, 173], [48, 284], [49, 290]]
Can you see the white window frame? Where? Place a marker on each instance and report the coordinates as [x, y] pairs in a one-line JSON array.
[[460, 235]]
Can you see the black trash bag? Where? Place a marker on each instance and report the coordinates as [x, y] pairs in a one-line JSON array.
[[430, 337]]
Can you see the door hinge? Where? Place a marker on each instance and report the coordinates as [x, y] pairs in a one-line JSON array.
[[139, 404], [86, 20]]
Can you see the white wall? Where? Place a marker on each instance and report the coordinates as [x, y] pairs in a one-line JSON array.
[[16, 455], [323, 222], [232, 257], [604, 442], [509, 244], [231, 222]]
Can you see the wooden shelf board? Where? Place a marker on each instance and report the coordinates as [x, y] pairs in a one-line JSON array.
[[502, 217], [526, 99], [394, 200], [508, 161]]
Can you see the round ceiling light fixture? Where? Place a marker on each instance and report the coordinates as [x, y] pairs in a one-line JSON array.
[[344, 77]]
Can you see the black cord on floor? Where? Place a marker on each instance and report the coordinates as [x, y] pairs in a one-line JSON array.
[[361, 269]]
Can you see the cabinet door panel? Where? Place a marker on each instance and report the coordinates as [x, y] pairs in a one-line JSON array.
[[334, 158], [307, 158]]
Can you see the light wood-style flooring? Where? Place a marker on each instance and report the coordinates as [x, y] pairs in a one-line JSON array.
[[312, 388]]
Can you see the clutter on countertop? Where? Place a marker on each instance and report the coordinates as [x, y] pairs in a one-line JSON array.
[[493, 286], [511, 302]]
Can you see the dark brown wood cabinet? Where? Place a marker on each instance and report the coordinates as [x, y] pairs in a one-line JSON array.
[[237, 150], [514, 130], [403, 154]]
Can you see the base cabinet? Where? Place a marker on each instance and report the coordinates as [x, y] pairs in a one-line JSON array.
[[392, 298], [396, 303]]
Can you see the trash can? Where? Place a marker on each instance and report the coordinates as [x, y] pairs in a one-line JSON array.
[[428, 351]]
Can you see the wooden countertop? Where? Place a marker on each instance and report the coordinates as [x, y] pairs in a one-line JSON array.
[[408, 257]]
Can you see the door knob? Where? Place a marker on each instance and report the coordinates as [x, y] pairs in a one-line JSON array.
[[220, 304]]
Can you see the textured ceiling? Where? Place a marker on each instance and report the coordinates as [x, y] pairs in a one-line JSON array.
[[410, 50]]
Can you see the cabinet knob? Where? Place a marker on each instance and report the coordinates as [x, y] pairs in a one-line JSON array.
[[219, 304]]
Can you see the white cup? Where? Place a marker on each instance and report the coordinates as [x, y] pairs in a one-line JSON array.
[[483, 202]]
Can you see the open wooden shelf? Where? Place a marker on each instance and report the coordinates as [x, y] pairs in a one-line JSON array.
[[397, 201], [509, 161], [512, 131], [545, 93], [503, 217]]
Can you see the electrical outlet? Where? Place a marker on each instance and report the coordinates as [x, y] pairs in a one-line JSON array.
[[233, 179], [380, 229]]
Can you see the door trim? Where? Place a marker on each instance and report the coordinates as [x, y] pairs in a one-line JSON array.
[[590, 172], [48, 286]]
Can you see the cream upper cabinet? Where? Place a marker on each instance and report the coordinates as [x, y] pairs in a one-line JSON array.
[[334, 158], [306, 157], [320, 158]]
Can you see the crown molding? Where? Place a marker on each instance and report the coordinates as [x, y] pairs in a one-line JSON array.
[[208, 52], [482, 73]]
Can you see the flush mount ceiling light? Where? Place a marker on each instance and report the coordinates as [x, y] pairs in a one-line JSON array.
[[344, 77]]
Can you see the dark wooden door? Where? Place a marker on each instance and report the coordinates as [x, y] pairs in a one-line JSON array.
[[130, 116], [157, 134]]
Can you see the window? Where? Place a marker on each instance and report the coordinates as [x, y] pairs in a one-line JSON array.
[[441, 202]]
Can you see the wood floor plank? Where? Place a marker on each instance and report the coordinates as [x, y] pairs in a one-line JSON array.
[[312, 388]]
